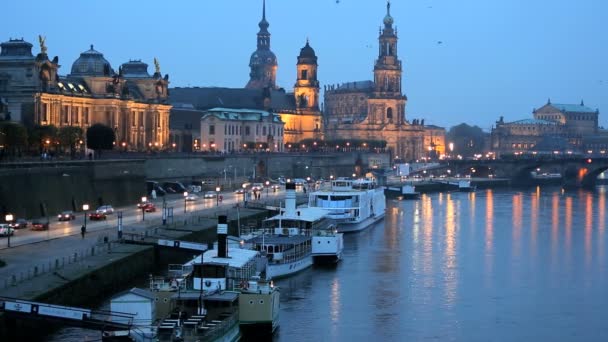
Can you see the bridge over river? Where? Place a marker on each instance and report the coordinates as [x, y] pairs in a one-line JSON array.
[[575, 171]]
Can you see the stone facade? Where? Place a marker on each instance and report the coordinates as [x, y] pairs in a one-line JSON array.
[[375, 110], [555, 127], [132, 102], [228, 130], [299, 110]]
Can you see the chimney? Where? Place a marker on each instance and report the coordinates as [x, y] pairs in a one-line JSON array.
[[222, 232], [290, 198]]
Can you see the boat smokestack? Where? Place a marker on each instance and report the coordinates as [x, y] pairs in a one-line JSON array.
[[222, 233], [290, 198]]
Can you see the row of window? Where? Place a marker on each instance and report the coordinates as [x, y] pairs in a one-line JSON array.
[[522, 145], [238, 130]]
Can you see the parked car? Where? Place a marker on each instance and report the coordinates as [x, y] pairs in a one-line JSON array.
[[40, 225], [105, 209], [192, 197], [149, 207], [210, 194], [6, 230], [66, 216], [18, 224], [97, 216]]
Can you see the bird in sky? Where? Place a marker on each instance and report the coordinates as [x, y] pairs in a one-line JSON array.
[[439, 42]]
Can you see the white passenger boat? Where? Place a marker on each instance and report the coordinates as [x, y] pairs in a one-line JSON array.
[[466, 186], [353, 204]]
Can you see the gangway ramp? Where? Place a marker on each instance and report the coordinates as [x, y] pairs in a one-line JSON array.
[[73, 316]]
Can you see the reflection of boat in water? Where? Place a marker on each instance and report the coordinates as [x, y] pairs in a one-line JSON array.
[[213, 297], [403, 192], [353, 204], [466, 186]]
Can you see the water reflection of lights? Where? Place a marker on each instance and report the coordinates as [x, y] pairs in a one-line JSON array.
[[427, 249], [489, 238], [534, 218], [554, 227], [568, 219], [601, 224], [416, 225], [588, 227], [517, 222], [334, 302], [450, 261]]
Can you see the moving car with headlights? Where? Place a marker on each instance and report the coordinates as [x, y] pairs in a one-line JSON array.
[[97, 216], [192, 197], [105, 209], [66, 216], [210, 194], [5, 230], [39, 225], [148, 207], [18, 224]]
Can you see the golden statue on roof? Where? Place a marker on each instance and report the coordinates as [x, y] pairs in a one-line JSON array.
[[42, 41]]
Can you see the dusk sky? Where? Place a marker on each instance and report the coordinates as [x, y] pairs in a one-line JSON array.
[[496, 57]]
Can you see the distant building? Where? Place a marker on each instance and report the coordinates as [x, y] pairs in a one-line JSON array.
[[132, 102], [555, 127], [376, 109], [299, 110], [228, 130]]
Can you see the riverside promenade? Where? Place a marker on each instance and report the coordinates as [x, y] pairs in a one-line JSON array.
[[36, 269]]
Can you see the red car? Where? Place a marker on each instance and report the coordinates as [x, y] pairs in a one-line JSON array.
[[39, 225], [97, 216], [149, 207], [66, 216]]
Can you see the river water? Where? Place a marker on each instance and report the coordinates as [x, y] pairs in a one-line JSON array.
[[494, 265]]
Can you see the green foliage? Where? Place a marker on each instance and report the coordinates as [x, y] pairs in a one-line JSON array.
[[468, 140], [69, 136], [13, 135], [38, 135], [100, 137]]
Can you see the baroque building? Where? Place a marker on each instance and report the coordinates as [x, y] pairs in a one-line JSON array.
[[375, 109], [299, 110], [131, 101], [554, 127], [225, 130]]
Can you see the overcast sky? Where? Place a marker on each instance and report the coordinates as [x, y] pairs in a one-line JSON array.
[[496, 57]]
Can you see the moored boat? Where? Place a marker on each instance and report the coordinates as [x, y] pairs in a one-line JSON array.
[[353, 204]]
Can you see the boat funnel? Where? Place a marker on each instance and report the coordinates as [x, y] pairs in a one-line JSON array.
[[290, 198], [222, 233]]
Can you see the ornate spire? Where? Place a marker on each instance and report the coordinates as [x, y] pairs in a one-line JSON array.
[[263, 23], [388, 20]]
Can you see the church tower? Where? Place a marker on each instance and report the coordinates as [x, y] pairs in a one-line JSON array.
[[387, 104], [263, 62], [306, 89]]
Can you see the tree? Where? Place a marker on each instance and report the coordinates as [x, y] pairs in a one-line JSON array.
[[13, 137], [100, 137], [69, 136], [41, 136], [468, 140]]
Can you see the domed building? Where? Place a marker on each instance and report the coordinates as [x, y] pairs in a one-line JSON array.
[[91, 63], [131, 102]]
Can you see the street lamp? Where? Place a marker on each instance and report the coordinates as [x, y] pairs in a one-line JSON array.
[[85, 208], [9, 219], [244, 193], [185, 200], [144, 199], [267, 186], [217, 196]]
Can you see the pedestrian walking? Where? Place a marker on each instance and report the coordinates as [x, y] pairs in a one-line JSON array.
[[83, 231]]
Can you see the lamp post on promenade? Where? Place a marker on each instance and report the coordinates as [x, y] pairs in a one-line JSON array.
[[144, 199], [9, 218], [217, 196], [85, 208], [185, 200]]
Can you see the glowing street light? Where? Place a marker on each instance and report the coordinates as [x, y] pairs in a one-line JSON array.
[[217, 196], [9, 218], [85, 208], [185, 200]]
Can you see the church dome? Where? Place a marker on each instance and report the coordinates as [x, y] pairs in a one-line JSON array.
[[135, 68], [307, 55], [263, 57], [91, 63]]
